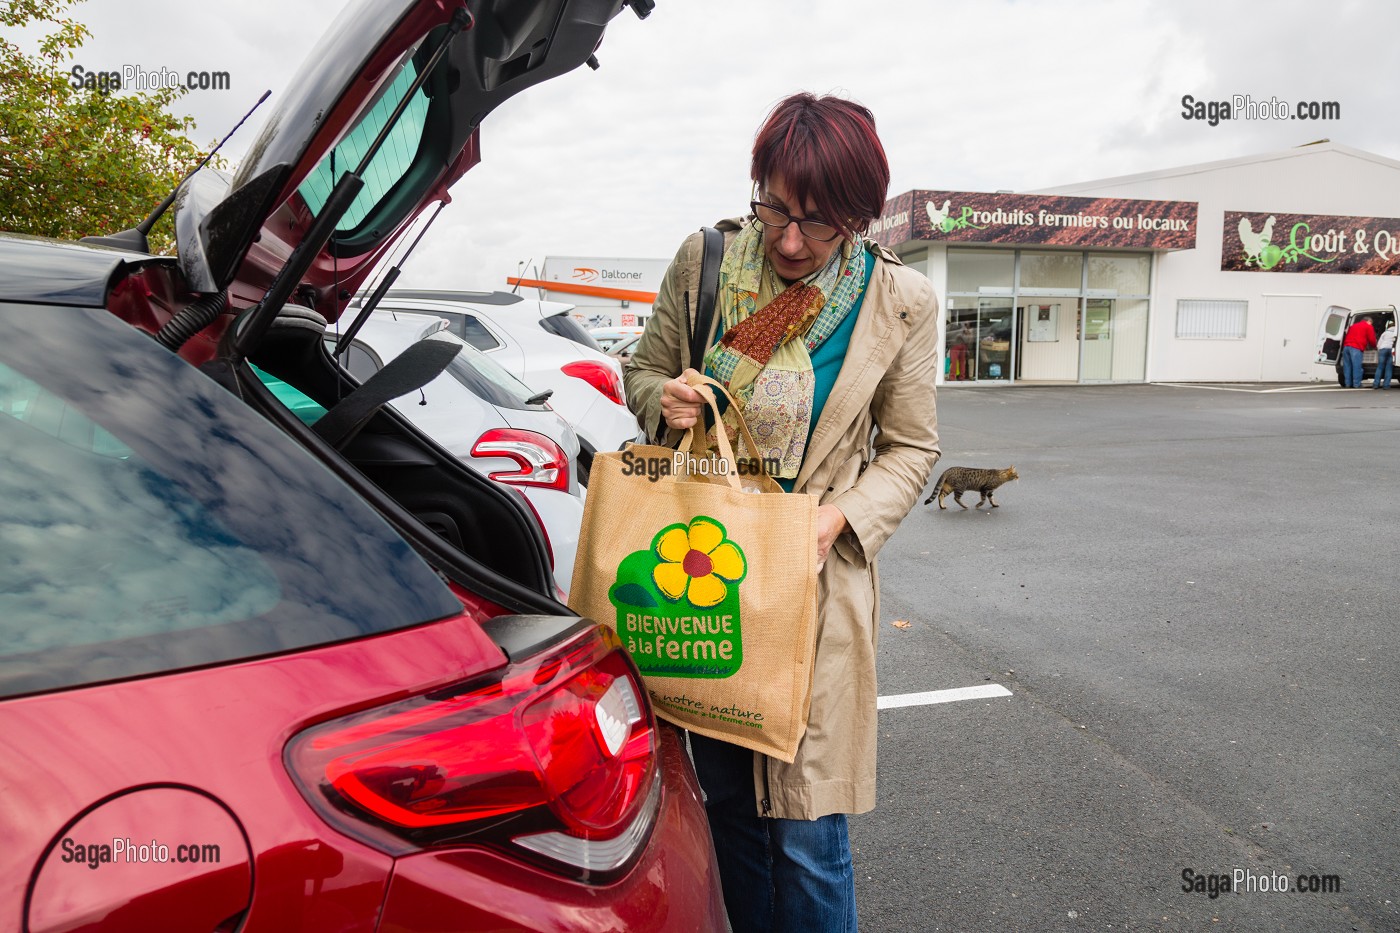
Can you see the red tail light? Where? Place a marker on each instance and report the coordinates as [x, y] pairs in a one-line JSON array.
[[600, 376], [553, 758], [541, 462]]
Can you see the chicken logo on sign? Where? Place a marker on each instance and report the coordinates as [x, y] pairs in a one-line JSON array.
[[1258, 247], [937, 215], [585, 274], [1302, 250], [942, 221]]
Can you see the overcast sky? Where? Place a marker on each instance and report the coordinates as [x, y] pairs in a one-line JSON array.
[[984, 96]]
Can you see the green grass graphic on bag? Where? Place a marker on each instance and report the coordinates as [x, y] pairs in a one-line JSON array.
[[678, 602]]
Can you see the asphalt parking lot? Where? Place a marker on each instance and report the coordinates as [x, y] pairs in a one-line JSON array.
[[1192, 596]]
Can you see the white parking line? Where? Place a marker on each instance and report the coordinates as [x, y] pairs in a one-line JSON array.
[[1317, 387], [942, 696]]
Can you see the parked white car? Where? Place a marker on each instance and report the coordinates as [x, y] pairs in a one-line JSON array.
[[487, 418], [622, 350], [609, 337], [543, 346]]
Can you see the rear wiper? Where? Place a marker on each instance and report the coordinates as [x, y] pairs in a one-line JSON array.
[[539, 399], [253, 324]]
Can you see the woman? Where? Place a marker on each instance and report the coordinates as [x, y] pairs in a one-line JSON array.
[[824, 338]]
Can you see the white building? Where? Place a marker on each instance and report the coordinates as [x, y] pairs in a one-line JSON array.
[[1219, 272], [605, 292]]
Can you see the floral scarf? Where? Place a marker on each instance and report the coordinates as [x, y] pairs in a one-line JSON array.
[[769, 333]]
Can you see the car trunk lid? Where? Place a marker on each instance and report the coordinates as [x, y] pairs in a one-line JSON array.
[[373, 80]]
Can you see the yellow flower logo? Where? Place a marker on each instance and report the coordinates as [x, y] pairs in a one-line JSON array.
[[697, 562]]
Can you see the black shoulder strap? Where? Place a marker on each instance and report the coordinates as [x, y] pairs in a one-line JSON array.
[[704, 316]]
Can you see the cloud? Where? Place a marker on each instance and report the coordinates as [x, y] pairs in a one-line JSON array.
[[627, 160]]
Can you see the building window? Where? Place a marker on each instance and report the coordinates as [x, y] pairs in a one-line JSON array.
[[1052, 272], [981, 271], [1119, 274], [1206, 319]]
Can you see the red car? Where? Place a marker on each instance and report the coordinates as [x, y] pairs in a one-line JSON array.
[[236, 695]]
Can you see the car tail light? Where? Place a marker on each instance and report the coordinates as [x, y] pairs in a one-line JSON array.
[[540, 461], [600, 376], [553, 759]]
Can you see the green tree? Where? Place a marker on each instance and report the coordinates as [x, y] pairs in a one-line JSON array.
[[76, 161]]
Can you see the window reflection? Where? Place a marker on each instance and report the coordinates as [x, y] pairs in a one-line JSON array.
[[151, 521], [91, 532]]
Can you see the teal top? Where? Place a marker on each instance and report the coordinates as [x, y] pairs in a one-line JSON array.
[[826, 361]]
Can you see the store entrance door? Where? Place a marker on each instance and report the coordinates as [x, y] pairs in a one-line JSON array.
[[995, 328], [979, 339], [1097, 362]]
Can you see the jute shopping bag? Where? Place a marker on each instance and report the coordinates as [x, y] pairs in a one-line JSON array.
[[707, 570]]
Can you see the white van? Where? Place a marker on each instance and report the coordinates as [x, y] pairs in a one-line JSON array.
[[1335, 323]]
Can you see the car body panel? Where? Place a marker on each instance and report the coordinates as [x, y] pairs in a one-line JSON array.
[[219, 732], [39, 270], [561, 514], [98, 872]]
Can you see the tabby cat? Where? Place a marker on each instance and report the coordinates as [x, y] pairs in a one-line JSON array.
[[959, 480]]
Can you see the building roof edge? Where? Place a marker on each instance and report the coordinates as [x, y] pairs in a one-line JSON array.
[[1305, 150]]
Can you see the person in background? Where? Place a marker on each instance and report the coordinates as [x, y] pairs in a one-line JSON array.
[[1385, 356], [1360, 337], [828, 343], [960, 350]]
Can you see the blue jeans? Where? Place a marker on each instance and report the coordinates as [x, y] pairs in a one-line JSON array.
[[1385, 365], [784, 876], [1351, 367]]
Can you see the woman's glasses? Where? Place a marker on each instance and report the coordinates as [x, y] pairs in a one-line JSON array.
[[776, 217]]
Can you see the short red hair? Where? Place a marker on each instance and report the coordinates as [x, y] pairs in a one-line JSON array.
[[825, 148]]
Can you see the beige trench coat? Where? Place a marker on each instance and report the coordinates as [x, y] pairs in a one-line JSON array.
[[885, 387]]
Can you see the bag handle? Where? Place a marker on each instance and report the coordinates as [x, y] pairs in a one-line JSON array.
[[705, 386], [695, 439], [726, 450]]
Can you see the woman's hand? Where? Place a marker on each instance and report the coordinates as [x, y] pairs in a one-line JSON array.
[[831, 521], [680, 404]]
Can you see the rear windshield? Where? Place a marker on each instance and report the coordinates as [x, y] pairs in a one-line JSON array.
[[564, 325], [487, 380], [389, 164], [154, 522]]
